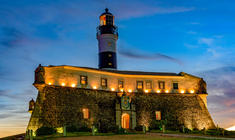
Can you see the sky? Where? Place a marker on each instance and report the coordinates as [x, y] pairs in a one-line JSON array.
[[195, 37]]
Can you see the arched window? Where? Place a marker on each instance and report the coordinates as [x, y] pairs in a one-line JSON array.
[[85, 112]]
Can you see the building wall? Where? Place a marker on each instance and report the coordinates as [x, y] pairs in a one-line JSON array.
[[71, 75], [57, 106]]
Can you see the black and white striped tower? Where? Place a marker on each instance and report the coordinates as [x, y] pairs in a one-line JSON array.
[[107, 36]]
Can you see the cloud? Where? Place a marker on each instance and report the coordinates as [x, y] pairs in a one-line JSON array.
[[192, 32], [10, 36], [156, 56], [194, 23], [3, 116], [221, 90], [207, 41], [5, 93], [141, 9], [190, 46]]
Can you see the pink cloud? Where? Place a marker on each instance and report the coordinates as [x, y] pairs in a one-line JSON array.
[[229, 102]]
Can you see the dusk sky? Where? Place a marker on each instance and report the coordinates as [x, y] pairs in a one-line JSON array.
[[193, 36]]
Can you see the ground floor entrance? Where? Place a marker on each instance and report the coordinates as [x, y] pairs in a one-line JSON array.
[[125, 121]]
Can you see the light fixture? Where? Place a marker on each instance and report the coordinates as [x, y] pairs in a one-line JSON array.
[[129, 90], [94, 87], [158, 91], [146, 91], [73, 85], [192, 91], [49, 83], [121, 90], [167, 91], [113, 89], [182, 91], [62, 84]]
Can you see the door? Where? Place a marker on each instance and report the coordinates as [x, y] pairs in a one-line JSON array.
[[126, 121]]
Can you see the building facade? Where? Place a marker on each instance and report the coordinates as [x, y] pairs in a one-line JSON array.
[[101, 96]]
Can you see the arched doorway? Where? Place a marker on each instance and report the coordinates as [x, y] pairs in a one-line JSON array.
[[125, 121]]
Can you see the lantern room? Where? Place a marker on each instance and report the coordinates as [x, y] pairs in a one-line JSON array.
[[106, 18], [107, 24]]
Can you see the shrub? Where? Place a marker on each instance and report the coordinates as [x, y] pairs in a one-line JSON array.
[[114, 128], [217, 132], [139, 128], [186, 130], [84, 129], [45, 131], [155, 125], [71, 128], [106, 125], [121, 131]]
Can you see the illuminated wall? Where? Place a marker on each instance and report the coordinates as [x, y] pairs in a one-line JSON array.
[[70, 76]]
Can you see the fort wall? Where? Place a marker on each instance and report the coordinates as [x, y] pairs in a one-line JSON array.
[[57, 106]]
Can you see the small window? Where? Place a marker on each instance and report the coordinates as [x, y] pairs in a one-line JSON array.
[[109, 20], [110, 55], [85, 112], [110, 64], [104, 82], [175, 86], [83, 80], [149, 85], [161, 85], [120, 84], [139, 85], [158, 115]]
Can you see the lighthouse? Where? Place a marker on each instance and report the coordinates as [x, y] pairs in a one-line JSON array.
[[107, 36]]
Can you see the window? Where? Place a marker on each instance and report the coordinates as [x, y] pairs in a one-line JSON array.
[[110, 64], [139, 85], [175, 86], [103, 20], [83, 80], [104, 82], [85, 112], [158, 115], [120, 84], [161, 85], [110, 55], [109, 20], [148, 84]]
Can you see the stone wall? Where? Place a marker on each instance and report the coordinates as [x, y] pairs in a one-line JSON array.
[[58, 106], [178, 109]]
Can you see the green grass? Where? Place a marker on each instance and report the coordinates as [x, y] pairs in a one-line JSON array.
[[131, 135], [112, 136]]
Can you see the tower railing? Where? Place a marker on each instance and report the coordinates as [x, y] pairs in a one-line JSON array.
[[107, 29]]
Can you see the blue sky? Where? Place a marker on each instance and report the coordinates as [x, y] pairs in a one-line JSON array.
[[195, 36]]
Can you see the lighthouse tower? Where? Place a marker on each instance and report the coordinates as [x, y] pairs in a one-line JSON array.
[[107, 36]]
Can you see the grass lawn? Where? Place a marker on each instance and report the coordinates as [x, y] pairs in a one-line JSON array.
[[112, 136], [149, 136]]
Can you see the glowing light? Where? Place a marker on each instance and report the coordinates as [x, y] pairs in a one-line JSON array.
[[182, 91], [121, 90], [129, 90], [146, 91], [191, 91], [113, 89], [167, 91], [73, 85], [94, 87], [62, 84], [49, 83], [60, 129], [231, 128], [158, 91]]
